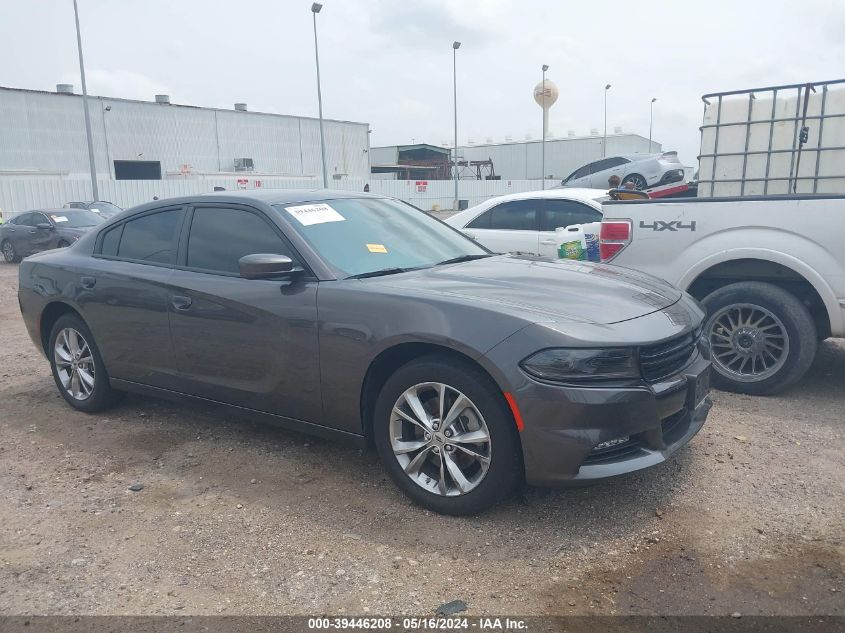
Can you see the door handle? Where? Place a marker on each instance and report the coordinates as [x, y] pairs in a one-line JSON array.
[[548, 242], [88, 282], [181, 303]]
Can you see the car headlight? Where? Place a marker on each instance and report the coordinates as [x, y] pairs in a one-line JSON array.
[[582, 365]]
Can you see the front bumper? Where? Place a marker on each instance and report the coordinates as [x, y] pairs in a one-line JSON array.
[[565, 425]]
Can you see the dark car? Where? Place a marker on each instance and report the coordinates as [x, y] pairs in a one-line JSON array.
[[103, 208], [361, 317], [35, 231]]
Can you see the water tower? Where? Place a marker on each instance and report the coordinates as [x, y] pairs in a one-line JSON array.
[[545, 94]]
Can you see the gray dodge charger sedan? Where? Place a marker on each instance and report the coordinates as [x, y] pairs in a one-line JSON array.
[[359, 316]]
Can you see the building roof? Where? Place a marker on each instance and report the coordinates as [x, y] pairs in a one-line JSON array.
[[174, 105]]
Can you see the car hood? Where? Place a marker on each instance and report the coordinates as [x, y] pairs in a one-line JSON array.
[[543, 289]]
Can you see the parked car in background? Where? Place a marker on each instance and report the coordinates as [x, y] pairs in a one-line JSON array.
[[357, 316], [35, 231], [102, 207], [526, 222], [643, 170]]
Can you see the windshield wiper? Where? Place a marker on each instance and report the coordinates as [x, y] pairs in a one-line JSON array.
[[379, 273], [463, 258]]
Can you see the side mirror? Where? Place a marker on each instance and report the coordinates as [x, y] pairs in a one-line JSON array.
[[44, 225], [265, 266]]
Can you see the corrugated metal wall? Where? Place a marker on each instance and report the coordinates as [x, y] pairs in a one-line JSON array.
[[42, 131], [22, 194], [522, 160]]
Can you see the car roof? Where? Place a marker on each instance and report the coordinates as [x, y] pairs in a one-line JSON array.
[[266, 196]]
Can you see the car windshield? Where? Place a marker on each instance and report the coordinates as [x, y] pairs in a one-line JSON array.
[[364, 236], [74, 218], [105, 209]]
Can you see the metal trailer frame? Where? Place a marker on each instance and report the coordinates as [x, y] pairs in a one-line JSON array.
[[799, 140]]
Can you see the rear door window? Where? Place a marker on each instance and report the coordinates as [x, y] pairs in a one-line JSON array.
[[561, 213], [152, 238]]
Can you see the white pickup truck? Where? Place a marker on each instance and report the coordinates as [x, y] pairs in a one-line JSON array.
[[769, 269]]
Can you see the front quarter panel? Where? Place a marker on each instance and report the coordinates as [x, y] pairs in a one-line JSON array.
[[357, 324]]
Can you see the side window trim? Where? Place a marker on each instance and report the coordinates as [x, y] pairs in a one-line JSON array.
[[182, 254], [98, 245]]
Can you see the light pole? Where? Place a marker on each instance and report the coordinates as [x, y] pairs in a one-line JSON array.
[[315, 9], [85, 107], [650, 121], [604, 142], [545, 125], [455, 46]]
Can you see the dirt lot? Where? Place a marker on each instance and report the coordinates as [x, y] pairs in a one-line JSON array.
[[239, 518]]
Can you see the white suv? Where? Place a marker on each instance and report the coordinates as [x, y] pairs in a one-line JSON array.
[[526, 222]]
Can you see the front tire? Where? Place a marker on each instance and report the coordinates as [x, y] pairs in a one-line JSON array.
[[78, 368], [763, 339], [446, 437], [62, 244], [9, 253]]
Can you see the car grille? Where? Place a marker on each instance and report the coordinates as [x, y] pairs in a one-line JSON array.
[[664, 359]]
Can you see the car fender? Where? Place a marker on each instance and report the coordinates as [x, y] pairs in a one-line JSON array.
[[732, 253]]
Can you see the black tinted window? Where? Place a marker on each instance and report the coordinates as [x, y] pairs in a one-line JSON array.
[[561, 213], [220, 237], [152, 238], [616, 161], [586, 170], [111, 240], [23, 220], [518, 215]]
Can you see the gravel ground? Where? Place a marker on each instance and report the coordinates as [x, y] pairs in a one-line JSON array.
[[240, 518]]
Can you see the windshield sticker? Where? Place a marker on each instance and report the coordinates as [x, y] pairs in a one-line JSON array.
[[308, 214], [94, 209], [58, 218], [376, 248]]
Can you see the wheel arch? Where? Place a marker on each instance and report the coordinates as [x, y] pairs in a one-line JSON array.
[[391, 358], [779, 269], [51, 313]]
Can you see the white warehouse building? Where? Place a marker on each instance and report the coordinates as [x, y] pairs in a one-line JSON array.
[[522, 160], [42, 134]]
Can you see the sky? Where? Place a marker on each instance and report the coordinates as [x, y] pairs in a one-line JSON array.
[[389, 62]]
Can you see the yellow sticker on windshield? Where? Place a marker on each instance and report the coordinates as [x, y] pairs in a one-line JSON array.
[[376, 248]]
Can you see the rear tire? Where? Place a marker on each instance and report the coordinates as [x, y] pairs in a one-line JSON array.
[[640, 183], [9, 253], [428, 460], [763, 339], [78, 368]]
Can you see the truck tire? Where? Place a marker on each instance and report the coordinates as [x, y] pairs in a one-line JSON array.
[[762, 338]]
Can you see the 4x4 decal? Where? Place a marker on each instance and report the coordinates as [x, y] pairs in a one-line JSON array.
[[674, 225]]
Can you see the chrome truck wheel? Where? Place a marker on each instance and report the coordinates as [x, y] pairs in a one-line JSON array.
[[748, 342]]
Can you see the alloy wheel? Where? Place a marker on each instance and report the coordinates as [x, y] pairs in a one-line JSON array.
[[639, 182], [74, 364], [749, 343], [8, 251], [440, 439]]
